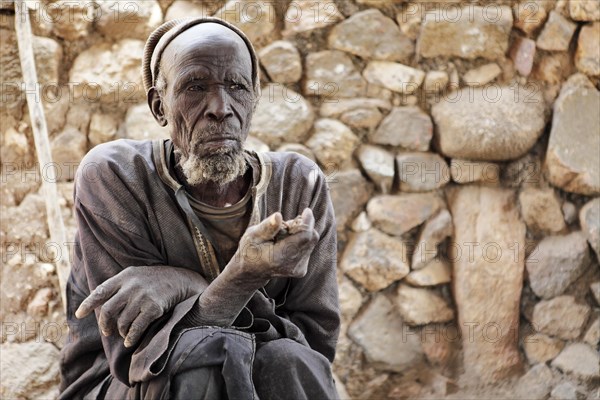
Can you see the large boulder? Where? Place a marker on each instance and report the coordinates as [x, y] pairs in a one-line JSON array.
[[98, 78], [307, 15], [587, 57], [579, 359], [557, 33], [482, 124], [255, 18], [134, 19], [467, 32], [371, 35], [487, 227], [419, 306], [141, 125], [331, 73], [589, 220], [333, 144], [282, 61], [421, 172], [29, 370], [541, 210], [572, 157], [282, 115], [349, 191], [386, 340]]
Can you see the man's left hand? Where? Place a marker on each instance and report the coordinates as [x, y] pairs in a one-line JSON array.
[[137, 296]]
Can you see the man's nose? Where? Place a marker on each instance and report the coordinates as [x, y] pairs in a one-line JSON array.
[[218, 107]]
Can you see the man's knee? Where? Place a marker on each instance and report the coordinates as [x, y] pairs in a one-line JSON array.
[[198, 383]]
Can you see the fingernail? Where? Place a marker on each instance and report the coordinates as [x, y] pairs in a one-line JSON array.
[[127, 343]]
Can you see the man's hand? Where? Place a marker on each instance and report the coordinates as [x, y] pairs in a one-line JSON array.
[[137, 296], [261, 257]]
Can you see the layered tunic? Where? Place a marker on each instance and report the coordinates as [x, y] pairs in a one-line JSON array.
[[131, 211]]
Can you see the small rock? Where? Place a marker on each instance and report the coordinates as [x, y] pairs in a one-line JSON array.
[[483, 75], [471, 33], [134, 19], [38, 306], [571, 159], [434, 231], [29, 370], [361, 223], [566, 391], [522, 53], [436, 81], [592, 335], [375, 260], [350, 299], [409, 19], [255, 144], [71, 20], [335, 109], [103, 128], [435, 272], [529, 16], [570, 212], [331, 73], [419, 306], [584, 10], [580, 360], [15, 148], [589, 220], [254, 18], [587, 57], [367, 118], [421, 172], [349, 192], [303, 16], [474, 124], [541, 210], [397, 214], [282, 115], [553, 68], [378, 164], [385, 339], [465, 171], [560, 317], [100, 79], [297, 148], [535, 384], [557, 33], [540, 348], [595, 289], [68, 148], [408, 127], [394, 76], [332, 143], [141, 125], [556, 263], [282, 62], [186, 8], [371, 35], [439, 342]]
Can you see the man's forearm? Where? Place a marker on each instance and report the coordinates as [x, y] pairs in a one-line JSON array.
[[223, 300]]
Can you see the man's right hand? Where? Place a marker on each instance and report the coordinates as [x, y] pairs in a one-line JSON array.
[[260, 258]]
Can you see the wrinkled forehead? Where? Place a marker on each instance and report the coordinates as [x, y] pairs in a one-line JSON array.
[[207, 41]]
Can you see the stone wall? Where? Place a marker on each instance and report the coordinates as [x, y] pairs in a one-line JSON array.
[[461, 141]]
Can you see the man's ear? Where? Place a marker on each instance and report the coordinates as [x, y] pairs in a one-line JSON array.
[[156, 106]]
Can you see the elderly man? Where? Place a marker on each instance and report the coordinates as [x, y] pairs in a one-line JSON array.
[[186, 282]]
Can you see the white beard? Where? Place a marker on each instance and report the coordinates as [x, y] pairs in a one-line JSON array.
[[221, 167]]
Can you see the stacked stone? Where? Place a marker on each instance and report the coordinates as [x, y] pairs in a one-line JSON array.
[[461, 142]]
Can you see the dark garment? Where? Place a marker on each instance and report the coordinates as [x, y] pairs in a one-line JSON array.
[[209, 363], [130, 212]]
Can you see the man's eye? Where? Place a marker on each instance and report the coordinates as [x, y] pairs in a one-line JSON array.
[[237, 86], [196, 88]]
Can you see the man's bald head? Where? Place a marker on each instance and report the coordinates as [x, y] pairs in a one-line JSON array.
[[160, 38]]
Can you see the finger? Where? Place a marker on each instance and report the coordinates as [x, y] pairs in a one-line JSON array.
[[140, 324], [267, 228], [308, 219], [109, 313], [98, 297], [128, 315]]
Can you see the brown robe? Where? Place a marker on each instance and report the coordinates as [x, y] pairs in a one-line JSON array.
[[128, 215]]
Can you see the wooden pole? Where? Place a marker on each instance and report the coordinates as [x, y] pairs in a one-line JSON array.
[[56, 225]]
